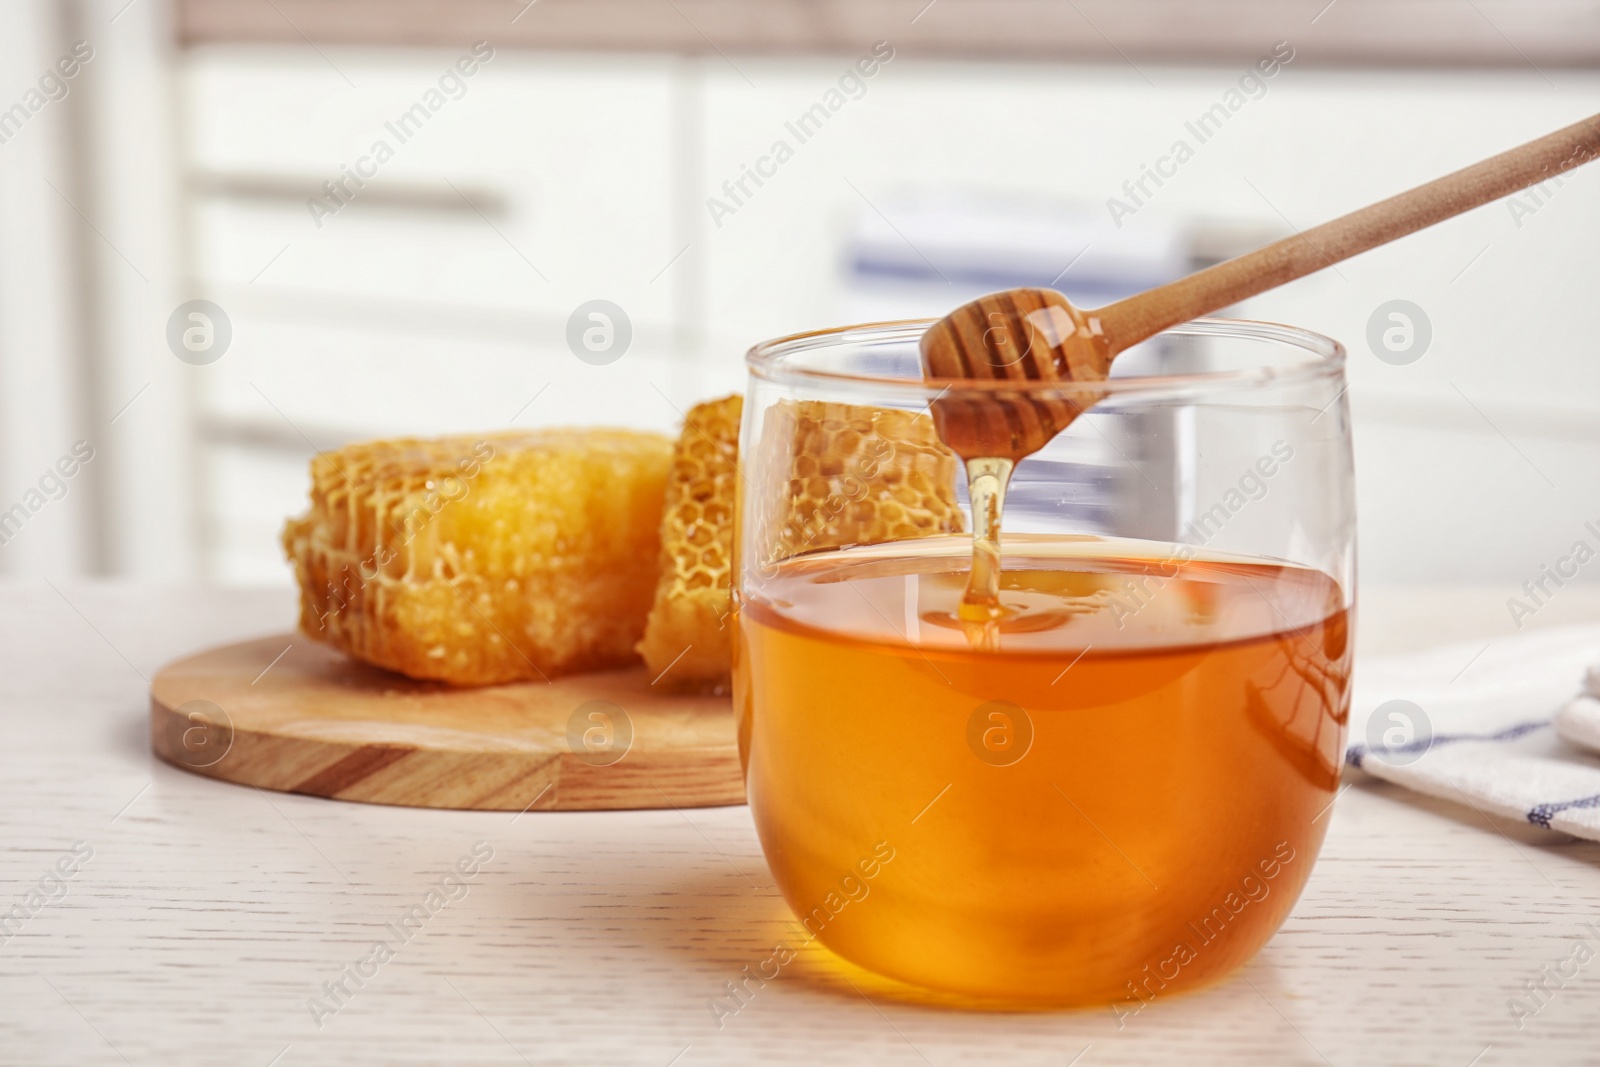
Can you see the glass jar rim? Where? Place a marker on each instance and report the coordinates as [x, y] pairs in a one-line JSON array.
[[1324, 358]]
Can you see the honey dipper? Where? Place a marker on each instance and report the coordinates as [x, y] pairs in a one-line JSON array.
[[1036, 335]]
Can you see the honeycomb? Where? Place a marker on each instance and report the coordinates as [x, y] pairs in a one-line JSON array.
[[853, 475], [478, 561], [686, 641], [857, 476]]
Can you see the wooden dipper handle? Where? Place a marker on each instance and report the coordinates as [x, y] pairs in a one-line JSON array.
[[1129, 321], [1021, 339]]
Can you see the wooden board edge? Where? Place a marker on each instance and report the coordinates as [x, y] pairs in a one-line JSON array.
[[369, 773]]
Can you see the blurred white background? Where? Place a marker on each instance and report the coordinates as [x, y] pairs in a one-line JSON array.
[[438, 299]]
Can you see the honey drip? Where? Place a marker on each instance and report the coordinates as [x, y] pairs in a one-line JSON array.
[[1031, 337], [981, 611]]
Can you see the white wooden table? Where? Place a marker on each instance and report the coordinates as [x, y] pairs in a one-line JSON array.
[[210, 914]]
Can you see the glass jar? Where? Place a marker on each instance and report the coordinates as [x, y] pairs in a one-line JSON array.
[[1114, 792]]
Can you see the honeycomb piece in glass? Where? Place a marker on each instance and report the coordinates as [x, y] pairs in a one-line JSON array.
[[686, 642], [477, 561], [857, 476]]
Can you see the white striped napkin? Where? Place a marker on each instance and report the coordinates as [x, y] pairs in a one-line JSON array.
[[1511, 726]]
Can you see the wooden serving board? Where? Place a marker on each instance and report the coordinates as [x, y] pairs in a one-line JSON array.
[[289, 714]]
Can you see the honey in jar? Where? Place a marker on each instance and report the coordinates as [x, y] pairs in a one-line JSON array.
[[1115, 797]]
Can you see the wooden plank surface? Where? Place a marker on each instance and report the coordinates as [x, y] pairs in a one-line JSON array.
[[210, 918], [289, 714], [1496, 33]]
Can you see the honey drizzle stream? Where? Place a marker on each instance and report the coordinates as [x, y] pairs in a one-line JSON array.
[[980, 609]]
